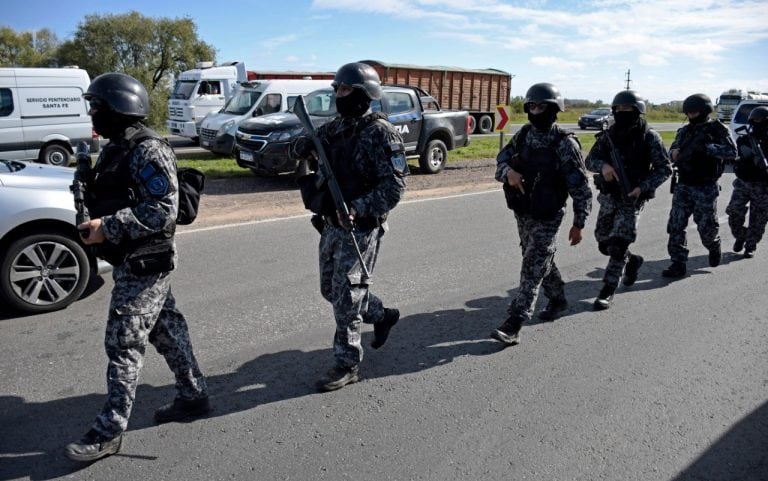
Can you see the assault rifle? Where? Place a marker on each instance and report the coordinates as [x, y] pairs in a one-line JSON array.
[[693, 144], [82, 173], [757, 149], [621, 173], [300, 109]]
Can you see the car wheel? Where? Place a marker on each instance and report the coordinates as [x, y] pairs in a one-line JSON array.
[[55, 154], [43, 272], [434, 157]]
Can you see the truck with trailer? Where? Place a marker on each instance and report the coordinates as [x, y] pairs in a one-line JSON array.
[[263, 144], [477, 91]]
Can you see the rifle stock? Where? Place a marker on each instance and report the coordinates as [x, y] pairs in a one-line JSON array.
[[300, 109], [78, 186]]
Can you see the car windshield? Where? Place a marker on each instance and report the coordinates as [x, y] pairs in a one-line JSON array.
[[183, 89], [321, 103], [742, 114], [601, 112], [242, 102], [10, 166]]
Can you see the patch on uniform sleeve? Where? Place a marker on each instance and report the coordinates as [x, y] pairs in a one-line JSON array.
[[397, 158], [154, 180]]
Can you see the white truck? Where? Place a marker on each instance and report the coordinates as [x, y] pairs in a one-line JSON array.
[[199, 91], [251, 99], [43, 114], [729, 99]]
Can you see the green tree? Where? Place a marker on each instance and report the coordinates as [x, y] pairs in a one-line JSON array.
[[151, 50], [28, 49]]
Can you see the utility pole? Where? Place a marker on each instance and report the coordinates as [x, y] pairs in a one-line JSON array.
[[628, 79]]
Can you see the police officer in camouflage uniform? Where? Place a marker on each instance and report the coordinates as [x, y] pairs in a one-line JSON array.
[[367, 156], [645, 165], [698, 154], [540, 167], [750, 186], [132, 196]]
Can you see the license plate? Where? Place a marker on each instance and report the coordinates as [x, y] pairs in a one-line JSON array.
[[245, 155], [205, 143]]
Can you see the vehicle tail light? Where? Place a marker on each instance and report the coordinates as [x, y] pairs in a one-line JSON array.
[[469, 125]]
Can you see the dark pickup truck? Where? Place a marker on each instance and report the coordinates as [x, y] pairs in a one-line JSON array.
[[263, 143]]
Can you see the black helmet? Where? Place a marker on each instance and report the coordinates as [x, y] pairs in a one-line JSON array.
[[629, 97], [544, 92], [698, 103], [361, 76], [122, 93], [758, 114]]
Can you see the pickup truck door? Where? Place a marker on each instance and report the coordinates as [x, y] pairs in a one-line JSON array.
[[405, 114]]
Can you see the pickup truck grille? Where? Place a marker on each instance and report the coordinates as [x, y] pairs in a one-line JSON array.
[[251, 142], [207, 134]]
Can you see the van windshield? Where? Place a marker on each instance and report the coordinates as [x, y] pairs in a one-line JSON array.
[[321, 103], [242, 102], [183, 89]]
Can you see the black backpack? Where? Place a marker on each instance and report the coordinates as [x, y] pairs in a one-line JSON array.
[[191, 181]]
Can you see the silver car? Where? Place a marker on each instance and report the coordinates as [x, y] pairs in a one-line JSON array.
[[43, 264]]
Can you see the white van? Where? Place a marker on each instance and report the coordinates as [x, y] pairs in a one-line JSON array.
[[251, 99], [43, 114]]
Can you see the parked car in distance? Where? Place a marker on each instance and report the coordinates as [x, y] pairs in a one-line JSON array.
[[43, 264], [600, 119], [741, 115]]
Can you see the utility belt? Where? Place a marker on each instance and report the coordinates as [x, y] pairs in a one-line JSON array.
[[361, 223]]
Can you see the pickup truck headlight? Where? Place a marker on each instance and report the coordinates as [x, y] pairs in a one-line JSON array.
[[225, 127], [284, 135]]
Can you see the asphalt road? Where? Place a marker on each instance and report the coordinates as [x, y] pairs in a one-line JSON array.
[[669, 384]]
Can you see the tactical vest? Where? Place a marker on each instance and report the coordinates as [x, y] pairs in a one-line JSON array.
[[546, 190], [635, 153], [353, 181], [111, 188], [746, 168], [694, 165]]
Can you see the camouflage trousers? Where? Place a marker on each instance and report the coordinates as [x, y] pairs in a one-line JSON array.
[[701, 201], [342, 284], [756, 195], [143, 310], [538, 242], [615, 230]]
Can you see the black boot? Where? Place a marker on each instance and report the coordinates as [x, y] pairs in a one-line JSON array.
[[715, 254], [338, 377], [749, 251], [554, 307], [182, 409], [93, 446], [676, 269], [631, 270], [509, 332], [605, 298], [381, 329], [738, 245]]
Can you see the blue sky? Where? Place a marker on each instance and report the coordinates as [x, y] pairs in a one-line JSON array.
[[672, 48]]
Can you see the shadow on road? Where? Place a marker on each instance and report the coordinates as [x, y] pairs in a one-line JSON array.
[[740, 454], [32, 434]]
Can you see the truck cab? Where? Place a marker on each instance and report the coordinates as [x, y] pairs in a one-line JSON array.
[[200, 91], [251, 99]]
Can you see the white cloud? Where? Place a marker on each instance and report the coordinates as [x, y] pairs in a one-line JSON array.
[[557, 63]]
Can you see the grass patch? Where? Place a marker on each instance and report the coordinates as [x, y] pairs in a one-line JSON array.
[[220, 167]]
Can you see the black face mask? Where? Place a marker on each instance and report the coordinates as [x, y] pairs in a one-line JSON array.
[[543, 120], [625, 120], [700, 119], [759, 129], [353, 105]]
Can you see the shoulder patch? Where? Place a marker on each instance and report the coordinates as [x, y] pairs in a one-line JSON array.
[[397, 157], [154, 180]]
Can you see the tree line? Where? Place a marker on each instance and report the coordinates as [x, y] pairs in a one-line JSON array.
[[154, 51]]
